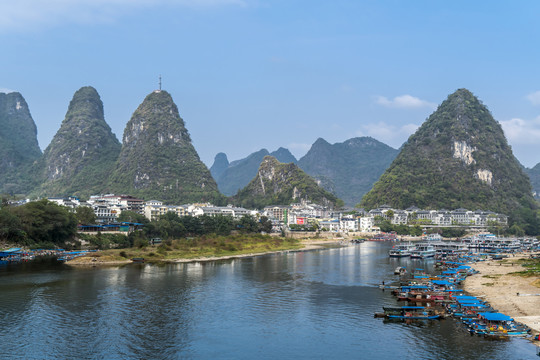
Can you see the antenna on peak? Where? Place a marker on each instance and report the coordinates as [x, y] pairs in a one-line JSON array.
[[159, 82]]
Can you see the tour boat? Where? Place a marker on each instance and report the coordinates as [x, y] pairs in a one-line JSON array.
[[423, 251], [401, 250]]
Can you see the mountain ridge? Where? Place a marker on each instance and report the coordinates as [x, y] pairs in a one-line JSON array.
[[350, 168]]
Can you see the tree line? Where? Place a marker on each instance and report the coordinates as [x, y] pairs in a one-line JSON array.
[[45, 224]]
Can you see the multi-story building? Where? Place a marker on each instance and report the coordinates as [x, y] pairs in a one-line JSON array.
[[278, 212], [153, 210], [128, 202]]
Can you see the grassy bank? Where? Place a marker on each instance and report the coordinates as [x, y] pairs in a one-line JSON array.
[[532, 270], [200, 247]]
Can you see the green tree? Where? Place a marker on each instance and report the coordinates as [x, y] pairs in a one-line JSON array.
[[247, 224], [132, 216], [11, 227], [193, 225], [516, 230], [416, 230], [265, 224], [46, 222], [223, 225], [85, 215]]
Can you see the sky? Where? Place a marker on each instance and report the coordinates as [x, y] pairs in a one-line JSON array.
[[253, 74]]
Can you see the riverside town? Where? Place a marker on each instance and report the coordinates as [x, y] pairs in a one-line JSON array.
[[304, 215]]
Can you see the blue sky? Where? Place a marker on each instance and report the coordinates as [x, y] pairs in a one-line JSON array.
[[252, 74]]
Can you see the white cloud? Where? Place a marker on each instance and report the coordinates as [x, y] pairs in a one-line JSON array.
[[522, 131], [404, 101], [24, 15], [6, 91], [387, 133], [534, 98]]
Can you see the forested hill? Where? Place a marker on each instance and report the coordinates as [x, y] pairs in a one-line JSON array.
[[18, 143], [158, 160], [82, 153], [458, 158], [281, 184]]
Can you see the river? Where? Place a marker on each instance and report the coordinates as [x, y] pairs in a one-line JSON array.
[[302, 305]]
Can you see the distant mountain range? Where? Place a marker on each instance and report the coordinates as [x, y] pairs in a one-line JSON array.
[[458, 158], [347, 169]]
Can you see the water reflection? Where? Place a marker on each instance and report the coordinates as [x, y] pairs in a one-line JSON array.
[[317, 304]]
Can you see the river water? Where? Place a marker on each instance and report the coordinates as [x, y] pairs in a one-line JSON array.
[[303, 305]]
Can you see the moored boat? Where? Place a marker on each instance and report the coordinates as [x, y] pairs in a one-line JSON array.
[[401, 250], [411, 313], [423, 251]]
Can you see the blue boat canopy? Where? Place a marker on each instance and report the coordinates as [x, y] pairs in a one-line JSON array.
[[469, 301], [412, 307], [9, 252], [495, 316], [442, 282], [450, 272]]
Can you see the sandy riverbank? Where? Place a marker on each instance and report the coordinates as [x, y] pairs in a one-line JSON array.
[[308, 244], [516, 296]]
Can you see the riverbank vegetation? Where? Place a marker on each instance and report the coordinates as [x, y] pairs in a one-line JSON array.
[[532, 268], [206, 246], [37, 224], [44, 224]]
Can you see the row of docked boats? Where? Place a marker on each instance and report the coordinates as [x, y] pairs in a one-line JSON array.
[[431, 297], [436, 247], [493, 242], [18, 255]]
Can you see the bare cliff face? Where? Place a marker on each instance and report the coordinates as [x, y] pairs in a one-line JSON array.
[[280, 184], [82, 153], [18, 142], [458, 158], [158, 159]]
